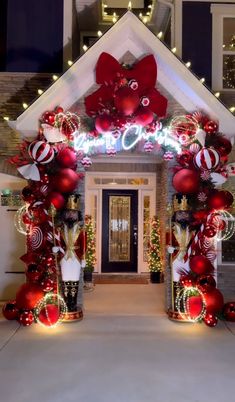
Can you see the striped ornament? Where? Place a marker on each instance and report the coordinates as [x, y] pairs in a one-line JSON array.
[[36, 238], [207, 159], [41, 152]]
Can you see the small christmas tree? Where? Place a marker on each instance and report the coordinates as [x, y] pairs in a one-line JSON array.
[[90, 244], [154, 254]]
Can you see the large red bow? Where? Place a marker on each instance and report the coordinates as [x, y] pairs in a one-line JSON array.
[[110, 74]]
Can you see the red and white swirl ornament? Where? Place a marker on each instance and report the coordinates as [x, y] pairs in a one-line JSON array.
[[207, 159], [36, 238], [41, 152]]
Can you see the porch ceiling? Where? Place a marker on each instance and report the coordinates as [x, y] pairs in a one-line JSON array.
[[128, 34]]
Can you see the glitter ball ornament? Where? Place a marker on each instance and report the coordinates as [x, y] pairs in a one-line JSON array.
[[148, 146]]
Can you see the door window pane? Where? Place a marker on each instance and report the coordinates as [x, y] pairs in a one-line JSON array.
[[229, 34], [119, 228], [229, 71]]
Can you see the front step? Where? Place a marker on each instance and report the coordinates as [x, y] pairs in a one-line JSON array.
[[117, 278]]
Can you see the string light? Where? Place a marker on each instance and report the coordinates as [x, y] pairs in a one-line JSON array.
[[50, 299], [85, 48], [40, 91], [129, 7], [145, 20], [160, 35], [6, 118], [229, 221], [99, 33], [202, 80], [182, 303], [174, 50], [55, 77], [232, 109], [217, 94], [140, 15], [25, 105], [114, 18], [188, 64], [150, 6], [18, 221], [70, 63]]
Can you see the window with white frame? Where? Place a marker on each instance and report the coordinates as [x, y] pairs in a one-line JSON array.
[[223, 47]]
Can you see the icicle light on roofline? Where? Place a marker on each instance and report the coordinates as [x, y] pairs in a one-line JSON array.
[[25, 105]]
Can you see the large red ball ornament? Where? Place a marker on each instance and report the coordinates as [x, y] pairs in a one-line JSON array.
[[210, 320], [66, 180], [144, 116], [200, 215], [55, 199], [48, 117], [67, 158], [49, 315], [194, 306], [59, 109], [199, 264], [186, 181], [210, 231], [10, 310], [211, 127], [37, 213], [229, 311], [26, 318], [219, 199], [214, 300], [33, 273], [126, 100], [28, 295], [103, 123], [223, 146], [207, 159]]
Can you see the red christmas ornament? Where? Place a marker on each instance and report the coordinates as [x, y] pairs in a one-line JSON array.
[[35, 239], [223, 146], [186, 181], [200, 215], [59, 109], [205, 282], [214, 300], [10, 311], [210, 231], [67, 158], [144, 116], [207, 159], [26, 318], [229, 311], [48, 260], [27, 194], [55, 199], [219, 199], [210, 320], [185, 159], [126, 100], [44, 178], [194, 306], [33, 273], [26, 219], [186, 281], [47, 285], [37, 213], [49, 117], [49, 315], [103, 123], [199, 264], [28, 295], [211, 127], [66, 180]]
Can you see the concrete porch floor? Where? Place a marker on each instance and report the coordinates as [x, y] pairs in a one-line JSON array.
[[125, 350]]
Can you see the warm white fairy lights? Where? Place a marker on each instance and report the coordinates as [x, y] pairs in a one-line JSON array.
[[174, 50], [217, 94], [6, 118], [229, 221], [47, 300], [40, 91], [182, 303], [188, 64], [25, 105], [99, 34], [85, 48], [55, 77], [202, 80], [70, 63], [18, 222], [160, 35]]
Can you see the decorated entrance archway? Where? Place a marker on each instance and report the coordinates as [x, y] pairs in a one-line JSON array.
[[125, 113]]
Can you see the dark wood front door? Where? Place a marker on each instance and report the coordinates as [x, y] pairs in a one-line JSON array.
[[119, 230]]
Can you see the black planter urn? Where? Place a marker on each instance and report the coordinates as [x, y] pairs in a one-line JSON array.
[[87, 276], [155, 277]]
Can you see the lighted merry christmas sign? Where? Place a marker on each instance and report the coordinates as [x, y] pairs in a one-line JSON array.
[[131, 136]]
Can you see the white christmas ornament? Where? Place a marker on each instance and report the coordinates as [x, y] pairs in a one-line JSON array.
[[218, 179], [52, 134]]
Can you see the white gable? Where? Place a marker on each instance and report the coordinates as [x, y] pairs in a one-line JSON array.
[[128, 34]]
